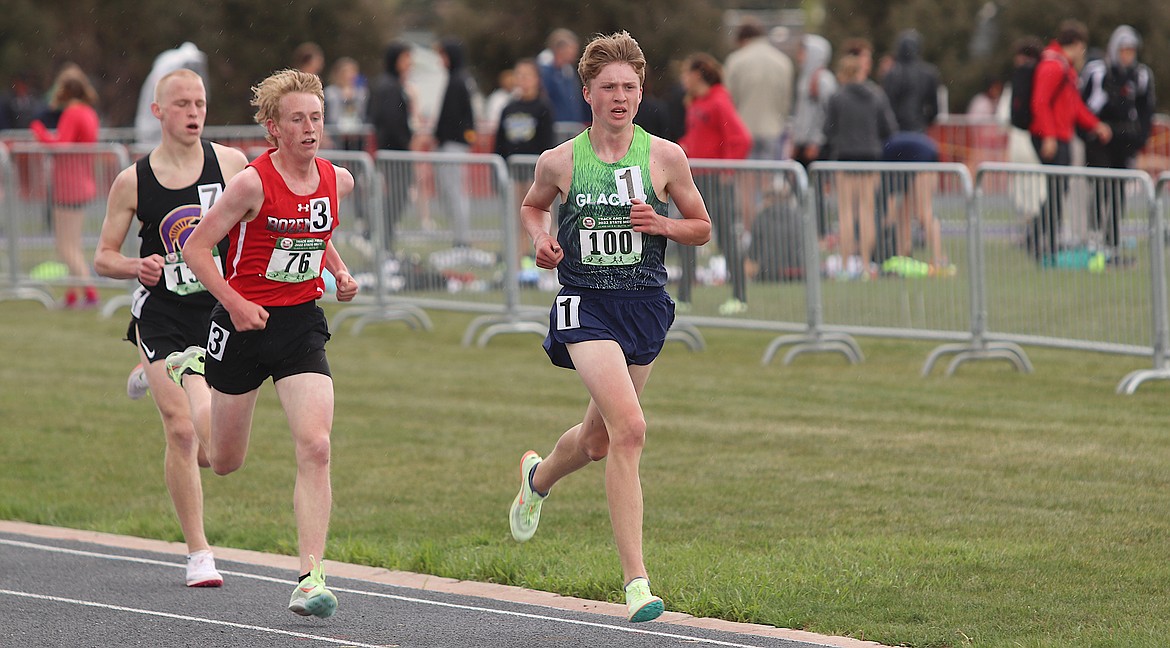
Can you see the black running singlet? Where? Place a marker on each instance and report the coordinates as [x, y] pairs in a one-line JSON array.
[[168, 216]]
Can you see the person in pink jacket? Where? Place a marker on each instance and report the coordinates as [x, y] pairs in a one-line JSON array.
[[73, 181], [714, 130]]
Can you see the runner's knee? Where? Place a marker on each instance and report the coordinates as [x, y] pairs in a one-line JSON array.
[[630, 434], [314, 451]]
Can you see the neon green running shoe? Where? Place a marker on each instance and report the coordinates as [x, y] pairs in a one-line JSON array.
[[641, 605], [189, 360], [733, 306], [310, 597], [525, 513]]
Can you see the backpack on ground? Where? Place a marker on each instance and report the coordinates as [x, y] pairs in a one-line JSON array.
[[777, 248]]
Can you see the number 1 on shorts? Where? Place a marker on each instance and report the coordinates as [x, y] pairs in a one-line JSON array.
[[568, 312]]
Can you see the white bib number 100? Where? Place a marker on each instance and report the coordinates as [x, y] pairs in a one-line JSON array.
[[614, 246]]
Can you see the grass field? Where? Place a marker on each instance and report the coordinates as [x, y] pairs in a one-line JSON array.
[[986, 509]]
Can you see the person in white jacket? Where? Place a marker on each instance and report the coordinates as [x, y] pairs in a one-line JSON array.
[[147, 131]]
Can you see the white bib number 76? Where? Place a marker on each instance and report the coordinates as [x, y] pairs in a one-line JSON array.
[[296, 260]]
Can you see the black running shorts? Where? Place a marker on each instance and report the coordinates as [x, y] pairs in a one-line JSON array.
[[163, 326], [292, 342]]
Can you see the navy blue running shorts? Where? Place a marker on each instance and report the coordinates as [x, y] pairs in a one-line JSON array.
[[292, 342], [636, 319]]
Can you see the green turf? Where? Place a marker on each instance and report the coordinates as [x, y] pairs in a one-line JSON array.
[[986, 509]]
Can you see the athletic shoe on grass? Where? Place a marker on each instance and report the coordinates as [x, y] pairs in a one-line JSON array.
[[641, 605], [733, 307], [525, 513]]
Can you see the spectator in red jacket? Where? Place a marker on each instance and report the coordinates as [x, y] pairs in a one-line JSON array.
[[73, 181], [714, 131], [1056, 107]]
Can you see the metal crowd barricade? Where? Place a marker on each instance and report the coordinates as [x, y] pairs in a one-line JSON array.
[[536, 286], [16, 287], [740, 286], [357, 238], [893, 249], [30, 206], [1161, 316], [1067, 256], [243, 137], [449, 240], [806, 239]]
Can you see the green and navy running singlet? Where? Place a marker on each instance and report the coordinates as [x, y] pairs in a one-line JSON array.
[[602, 251]]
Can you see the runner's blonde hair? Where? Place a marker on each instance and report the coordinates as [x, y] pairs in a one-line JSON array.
[[618, 47], [267, 94]]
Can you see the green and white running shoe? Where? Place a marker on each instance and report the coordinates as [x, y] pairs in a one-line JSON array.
[[189, 360], [525, 513], [641, 605], [311, 598]]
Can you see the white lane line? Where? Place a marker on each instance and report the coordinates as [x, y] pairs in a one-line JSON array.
[[183, 617], [396, 597]]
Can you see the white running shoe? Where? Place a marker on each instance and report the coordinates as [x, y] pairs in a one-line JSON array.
[[201, 570], [136, 385]]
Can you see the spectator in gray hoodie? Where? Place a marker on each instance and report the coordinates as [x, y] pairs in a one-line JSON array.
[[815, 85]]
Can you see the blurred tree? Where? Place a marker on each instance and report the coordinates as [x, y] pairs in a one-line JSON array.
[[500, 32], [115, 42]]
